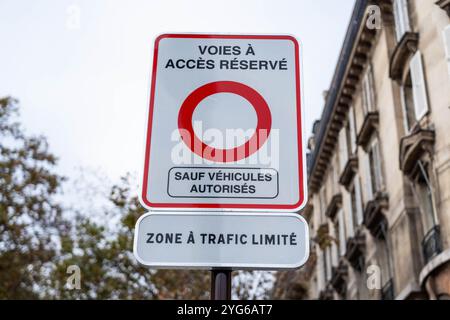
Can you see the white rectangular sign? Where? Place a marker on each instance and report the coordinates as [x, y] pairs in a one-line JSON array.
[[225, 124], [222, 240]]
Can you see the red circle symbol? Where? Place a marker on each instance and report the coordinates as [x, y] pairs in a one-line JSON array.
[[224, 155]]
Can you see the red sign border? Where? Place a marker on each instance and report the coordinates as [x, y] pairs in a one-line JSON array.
[[229, 206]]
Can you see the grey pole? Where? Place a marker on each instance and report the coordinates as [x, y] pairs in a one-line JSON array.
[[221, 285]]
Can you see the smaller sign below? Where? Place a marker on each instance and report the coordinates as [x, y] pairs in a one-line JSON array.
[[257, 241]]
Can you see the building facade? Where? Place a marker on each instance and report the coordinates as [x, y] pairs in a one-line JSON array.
[[379, 162]]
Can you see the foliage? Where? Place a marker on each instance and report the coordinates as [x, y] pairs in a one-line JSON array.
[[40, 240], [108, 267], [29, 216], [294, 284], [252, 285]]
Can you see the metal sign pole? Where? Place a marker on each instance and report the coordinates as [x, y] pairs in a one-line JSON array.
[[221, 285]]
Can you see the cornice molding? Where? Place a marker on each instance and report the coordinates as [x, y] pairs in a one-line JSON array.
[[445, 5]]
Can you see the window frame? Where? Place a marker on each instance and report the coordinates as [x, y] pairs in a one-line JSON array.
[[375, 166], [414, 93], [342, 232], [368, 91], [423, 171]]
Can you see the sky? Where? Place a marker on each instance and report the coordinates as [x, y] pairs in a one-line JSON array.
[[81, 68]]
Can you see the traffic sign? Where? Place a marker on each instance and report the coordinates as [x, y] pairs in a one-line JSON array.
[[257, 241], [225, 124]]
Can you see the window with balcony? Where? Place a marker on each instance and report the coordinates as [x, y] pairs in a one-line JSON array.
[[376, 200], [355, 246], [414, 93], [324, 271], [347, 150], [339, 267], [424, 193], [385, 263], [401, 17]]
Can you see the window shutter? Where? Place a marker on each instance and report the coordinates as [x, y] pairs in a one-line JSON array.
[[322, 202], [343, 154], [365, 101], [342, 236], [418, 84], [406, 123], [398, 32], [321, 273], [401, 17], [359, 207], [447, 46], [351, 117], [334, 249], [328, 263], [368, 180], [348, 215], [378, 171], [405, 15], [371, 88]]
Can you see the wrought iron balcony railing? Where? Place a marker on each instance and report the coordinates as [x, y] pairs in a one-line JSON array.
[[432, 244], [387, 292]]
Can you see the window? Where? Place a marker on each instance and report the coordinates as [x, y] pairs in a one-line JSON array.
[[409, 117], [432, 242], [322, 203], [383, 260], [374, 176], [424, 193], [348, 215], [321, 270], [342, 232], [324, 269], [357, 201], [335, 247], [418, 86], [328, 263], [350, 133], [368, 91], [385, 263], [335, 175], [354, 206], [401, 17], [414, 93], [446, 34]]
